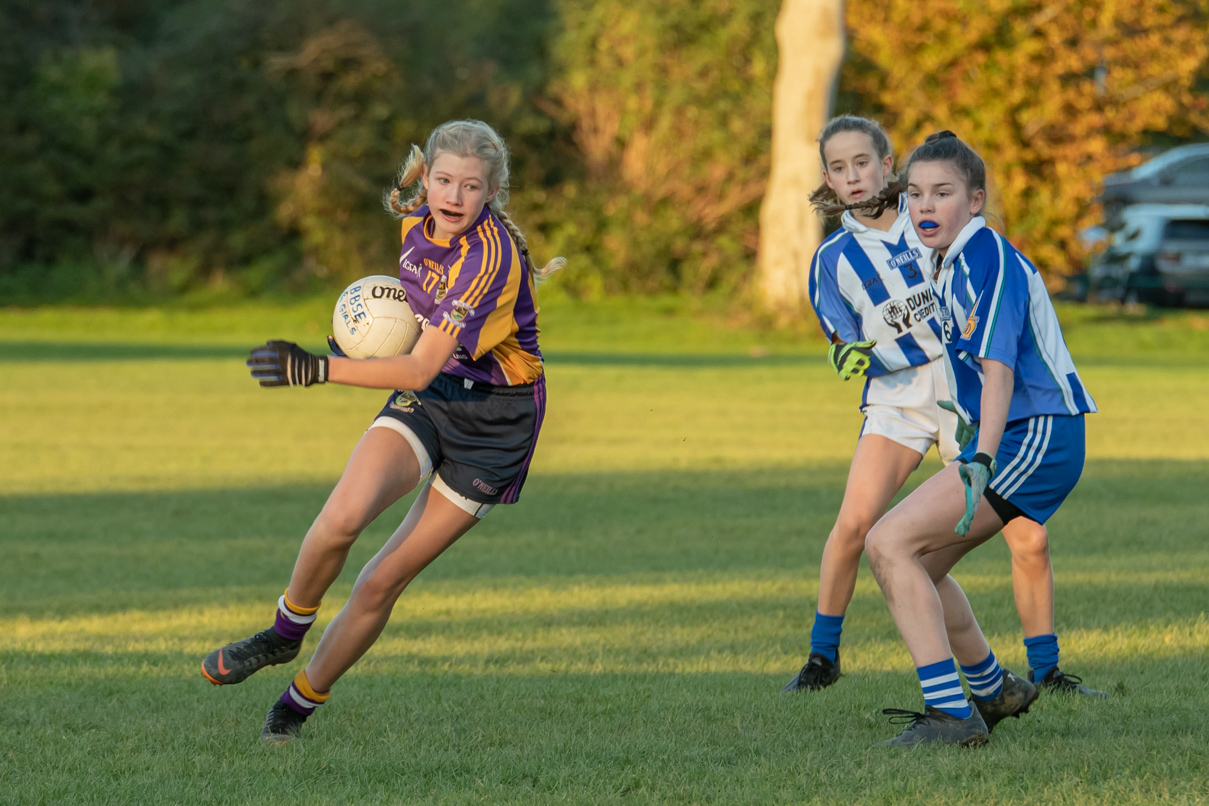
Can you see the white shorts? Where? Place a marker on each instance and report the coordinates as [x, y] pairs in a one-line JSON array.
[[901, 406]]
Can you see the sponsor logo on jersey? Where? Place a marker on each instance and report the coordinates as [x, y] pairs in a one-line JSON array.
[[389, 292], [922, 304], [405, 264], [404, 401], [971, 326], [897, 315], [903, 258], [479, 484]]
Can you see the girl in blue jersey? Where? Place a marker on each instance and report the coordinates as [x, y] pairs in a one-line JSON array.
[[875, 304], [465, 411], [1013, 378]]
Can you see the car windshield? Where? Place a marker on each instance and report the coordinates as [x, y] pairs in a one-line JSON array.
[[1164, 161], [1188, 229]]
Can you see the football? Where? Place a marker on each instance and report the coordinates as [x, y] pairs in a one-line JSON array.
[[373, 320]]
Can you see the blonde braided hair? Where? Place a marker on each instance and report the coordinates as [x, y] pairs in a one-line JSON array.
[[465, 138]]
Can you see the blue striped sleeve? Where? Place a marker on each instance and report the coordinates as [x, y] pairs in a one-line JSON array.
[[998, 315], [836, 315]]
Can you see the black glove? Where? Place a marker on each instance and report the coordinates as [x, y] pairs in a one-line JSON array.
[[284, 363]]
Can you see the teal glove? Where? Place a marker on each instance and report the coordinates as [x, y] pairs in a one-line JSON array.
[[852, 359], [964, 432], [975, 476]]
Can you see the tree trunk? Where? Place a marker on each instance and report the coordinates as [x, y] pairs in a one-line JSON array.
[[810, 46]]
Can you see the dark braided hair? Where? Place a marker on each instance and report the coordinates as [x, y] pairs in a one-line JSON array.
[[824, 199]]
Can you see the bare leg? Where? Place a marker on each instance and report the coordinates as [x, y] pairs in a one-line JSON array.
[[382, 469], [880, 466], [965, 636], [431, 526], [920, 524], [1032, 575]]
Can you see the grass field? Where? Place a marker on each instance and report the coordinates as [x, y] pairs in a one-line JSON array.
[[621, 635]]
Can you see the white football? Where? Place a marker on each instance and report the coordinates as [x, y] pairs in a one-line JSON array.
[[373, 320]]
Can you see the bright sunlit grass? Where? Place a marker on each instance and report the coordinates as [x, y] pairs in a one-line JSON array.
[[621, 634]]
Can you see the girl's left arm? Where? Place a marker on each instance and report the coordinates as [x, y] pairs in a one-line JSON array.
[[413, 371], [997, 384]]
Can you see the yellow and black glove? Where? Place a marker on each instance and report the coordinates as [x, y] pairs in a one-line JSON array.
[[851, 360]]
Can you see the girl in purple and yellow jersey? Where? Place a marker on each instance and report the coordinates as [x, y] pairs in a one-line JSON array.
[[465, 411]]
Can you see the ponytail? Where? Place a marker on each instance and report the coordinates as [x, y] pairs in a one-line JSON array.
[[828, 205], [409, 174]]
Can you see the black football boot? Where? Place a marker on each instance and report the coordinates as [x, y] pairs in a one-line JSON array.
[[281, 724], [1013, 700], [236, 662], [818, 673], [935, 726], [1058, 681]]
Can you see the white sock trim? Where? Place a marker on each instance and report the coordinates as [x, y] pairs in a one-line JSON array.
[[462, 502], [416, 445]]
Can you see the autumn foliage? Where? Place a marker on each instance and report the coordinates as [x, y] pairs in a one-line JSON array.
[[163, 147], [1054, 95]]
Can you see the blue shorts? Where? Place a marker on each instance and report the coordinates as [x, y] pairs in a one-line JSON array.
[[1039, 462]]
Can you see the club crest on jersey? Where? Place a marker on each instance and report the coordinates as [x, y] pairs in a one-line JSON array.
[[971, 326], [903, 258], [404, 401], [442, 289], [897, 315], [458, 314]]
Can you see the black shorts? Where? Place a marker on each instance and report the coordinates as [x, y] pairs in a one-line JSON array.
[[479, 437]]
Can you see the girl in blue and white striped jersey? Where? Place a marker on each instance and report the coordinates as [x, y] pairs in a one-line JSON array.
[[1012, 376], [869, 288]]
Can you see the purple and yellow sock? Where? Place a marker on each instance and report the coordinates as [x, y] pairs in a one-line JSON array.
[[302, 698], [293, 621]]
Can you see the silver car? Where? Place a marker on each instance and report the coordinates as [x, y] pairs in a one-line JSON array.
[[1178, 176], [1159, 253]]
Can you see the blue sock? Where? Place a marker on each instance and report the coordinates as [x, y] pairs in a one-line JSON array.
[[942, 688], [985, 678], [1042, 654], [825, 635]]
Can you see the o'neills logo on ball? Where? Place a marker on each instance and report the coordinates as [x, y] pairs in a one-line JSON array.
[[389, 292]]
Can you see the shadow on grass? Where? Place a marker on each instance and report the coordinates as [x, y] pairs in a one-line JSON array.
[[68, 554], [40, 351]]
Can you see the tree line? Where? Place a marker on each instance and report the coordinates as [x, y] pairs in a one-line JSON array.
[[150, 147]]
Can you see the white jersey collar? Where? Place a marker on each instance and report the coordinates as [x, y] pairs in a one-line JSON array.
[[967, 232], [854, 225]]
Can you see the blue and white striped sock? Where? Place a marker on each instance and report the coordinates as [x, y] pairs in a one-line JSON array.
[[985, 678], [942, 688]]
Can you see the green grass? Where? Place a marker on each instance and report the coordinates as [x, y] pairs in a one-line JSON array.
[[621, 635]]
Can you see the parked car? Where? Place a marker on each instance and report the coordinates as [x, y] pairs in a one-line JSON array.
[[1159, 253], [1178, 176]]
